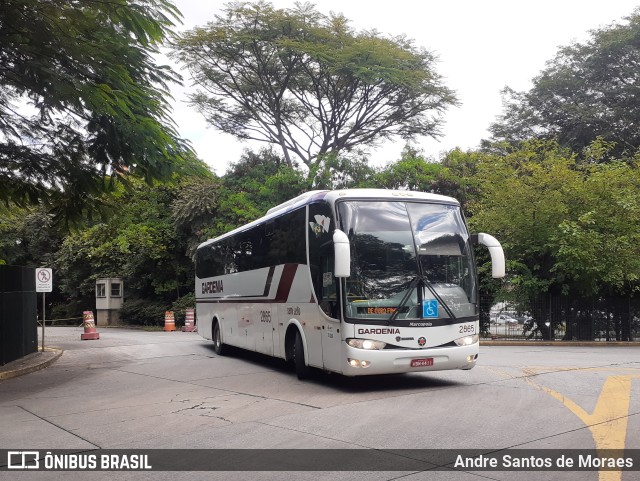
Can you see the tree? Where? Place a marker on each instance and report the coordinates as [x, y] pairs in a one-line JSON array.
[[27, 237], [567, 227], [308, 82], [342, 171], [598, 245], [194, 208], [412, 172], [251, 186], [82, 101], [140, 245], [587, 91], [523, 198], [453, 175], [458, 176]]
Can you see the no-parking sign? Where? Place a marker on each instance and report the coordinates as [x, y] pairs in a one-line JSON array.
[[44, 279]]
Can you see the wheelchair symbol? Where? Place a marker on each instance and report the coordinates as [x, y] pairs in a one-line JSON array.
[[430, 308]]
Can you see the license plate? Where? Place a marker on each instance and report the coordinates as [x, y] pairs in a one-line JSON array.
[[422, 362]]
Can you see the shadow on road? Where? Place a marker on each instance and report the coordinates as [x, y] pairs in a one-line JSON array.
[[374, 383]]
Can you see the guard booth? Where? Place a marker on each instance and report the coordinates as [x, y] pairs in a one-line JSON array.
[[109, 297]]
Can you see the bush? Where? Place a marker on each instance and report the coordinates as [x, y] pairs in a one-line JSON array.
[[142, 312], [70, 312], [180, 305]]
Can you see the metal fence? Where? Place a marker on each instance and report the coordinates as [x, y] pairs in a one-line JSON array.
[[562, 318]]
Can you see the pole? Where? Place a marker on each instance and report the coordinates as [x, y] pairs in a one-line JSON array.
[[43, 320]]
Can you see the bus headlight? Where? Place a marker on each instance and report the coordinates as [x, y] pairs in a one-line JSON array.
[[467, 340], [366, 344]]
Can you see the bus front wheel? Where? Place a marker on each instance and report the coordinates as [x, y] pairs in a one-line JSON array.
[[218, 346], [302, 370]]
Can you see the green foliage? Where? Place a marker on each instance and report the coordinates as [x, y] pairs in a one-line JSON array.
[[27, 237], [195, 203], [341, 171], [236, 209], [566, 226], [411, 172], [308, 82], [567, 212], [150, 238], [81, 259], [83, 103], [194, 209], [454, 175], [143, 312], [140, 244], [457, 177], [180, 305], [587, 91], [265, 178], [251, 186], [598, 246]]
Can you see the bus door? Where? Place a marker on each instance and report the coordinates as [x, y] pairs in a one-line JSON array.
[[330, 312], [321, 262]]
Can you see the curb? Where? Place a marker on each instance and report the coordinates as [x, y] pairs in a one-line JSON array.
[[31, 366]]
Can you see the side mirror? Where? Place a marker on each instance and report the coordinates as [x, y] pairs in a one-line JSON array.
[[342, 266], [495, 251]]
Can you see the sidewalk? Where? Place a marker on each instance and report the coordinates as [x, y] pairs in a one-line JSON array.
[[507, 342], [30, 363]]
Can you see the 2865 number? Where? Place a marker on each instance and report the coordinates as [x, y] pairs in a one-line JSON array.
[[467, 329]]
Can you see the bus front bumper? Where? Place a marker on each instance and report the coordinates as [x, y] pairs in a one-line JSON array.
[[362, 362]]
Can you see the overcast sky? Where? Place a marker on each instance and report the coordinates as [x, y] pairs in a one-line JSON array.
[[482, 46]]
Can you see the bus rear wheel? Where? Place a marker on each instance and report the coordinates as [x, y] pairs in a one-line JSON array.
[[218, 346], [302, 370]]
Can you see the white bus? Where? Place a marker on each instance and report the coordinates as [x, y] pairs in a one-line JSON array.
[[361, 281]]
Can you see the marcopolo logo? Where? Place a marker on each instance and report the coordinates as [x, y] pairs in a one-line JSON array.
[[399, 339]]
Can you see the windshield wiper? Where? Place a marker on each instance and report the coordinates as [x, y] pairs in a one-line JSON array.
[[429, 286], [412, 285], [419, 281]]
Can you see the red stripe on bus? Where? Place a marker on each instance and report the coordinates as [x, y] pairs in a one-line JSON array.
[[286, 281], [267, 286]]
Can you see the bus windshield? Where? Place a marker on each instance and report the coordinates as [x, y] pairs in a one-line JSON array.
[[410, 261]]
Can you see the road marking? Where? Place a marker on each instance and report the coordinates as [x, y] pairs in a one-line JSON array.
[[608, 421]]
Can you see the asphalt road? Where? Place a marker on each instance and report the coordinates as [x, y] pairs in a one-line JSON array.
[[141, 390]]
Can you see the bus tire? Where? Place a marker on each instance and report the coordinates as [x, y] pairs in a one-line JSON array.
[[218, 346], [302, 370]]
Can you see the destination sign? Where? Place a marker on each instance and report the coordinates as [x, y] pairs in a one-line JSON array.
[[380, 310]]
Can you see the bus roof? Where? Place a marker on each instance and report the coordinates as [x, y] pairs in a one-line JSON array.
[[331, 196]]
